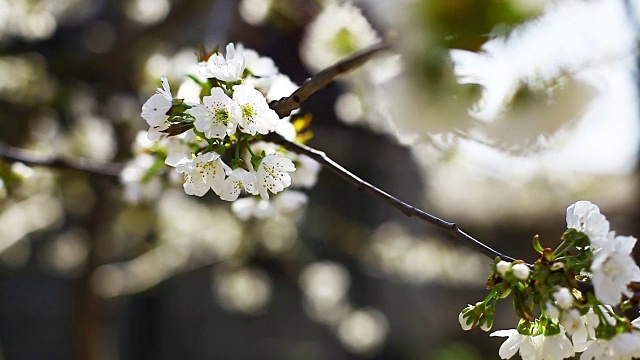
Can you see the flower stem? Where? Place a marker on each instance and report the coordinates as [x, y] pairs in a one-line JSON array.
[[246, 142]]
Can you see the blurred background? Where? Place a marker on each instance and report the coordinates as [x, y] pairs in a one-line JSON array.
[[535, 108]]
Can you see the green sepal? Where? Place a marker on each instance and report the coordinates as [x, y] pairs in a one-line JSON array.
[[536, 245], [582, 260], [525, 327], [256, 160], [236, 163], [551, 328], [605, 331], [569, 233], [577, 238], [582, 241], [626, 305]]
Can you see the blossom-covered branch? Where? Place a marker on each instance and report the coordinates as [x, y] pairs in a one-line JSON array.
[[286, 105], [108, 170], [405, 208]]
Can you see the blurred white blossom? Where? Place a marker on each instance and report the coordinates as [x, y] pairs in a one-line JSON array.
[[246, 290], [255, 12], [363, 331], [337, 32]]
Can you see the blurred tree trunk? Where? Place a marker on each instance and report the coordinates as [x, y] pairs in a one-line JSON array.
[[92, 337]]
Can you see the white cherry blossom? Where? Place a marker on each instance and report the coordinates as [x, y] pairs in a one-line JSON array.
[[540, 347], [623, 346], [586, 217], [516, 342], [551, 310], [273, 175], [613, 269], [555, 347], [337, 32], [154, 110], [280, 86], [255, 114], [585, 331], [306, 174], [563, 298], [571, 321], [204, 172], [237, 181], [286, 129], [224, 68], [261, 66], [218, 116]]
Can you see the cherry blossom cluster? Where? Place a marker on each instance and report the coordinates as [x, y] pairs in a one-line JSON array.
[[581, 288], [211, 131]]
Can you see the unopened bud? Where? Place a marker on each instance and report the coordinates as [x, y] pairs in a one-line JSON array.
[[465, 318], [563, 298], [502, 267], [521, 271]]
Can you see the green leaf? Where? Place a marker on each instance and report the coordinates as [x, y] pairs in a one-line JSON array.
[[177, 129], [582, 240], [178, 108]]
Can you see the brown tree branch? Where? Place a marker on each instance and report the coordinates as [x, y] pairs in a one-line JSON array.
[[286, 105], [108, 170], [405, 208]]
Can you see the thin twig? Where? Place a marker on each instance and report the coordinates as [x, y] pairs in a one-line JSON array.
[[286, 105], [405, 208], [109, 170]]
